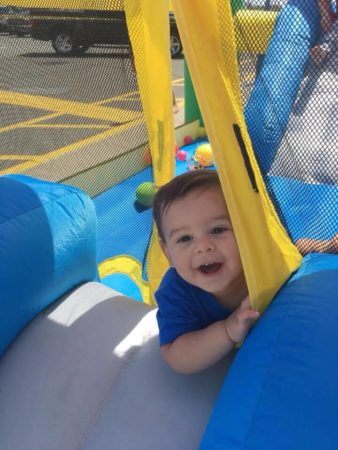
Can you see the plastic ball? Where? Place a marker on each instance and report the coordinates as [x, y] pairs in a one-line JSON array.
[[181, 155], [145, 194], [204, 156], [187, 140]]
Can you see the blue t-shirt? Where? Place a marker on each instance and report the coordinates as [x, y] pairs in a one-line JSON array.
[[183, 307]]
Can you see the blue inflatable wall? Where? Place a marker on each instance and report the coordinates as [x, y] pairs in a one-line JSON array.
[[282, 391], [279, 80], [47, 247]]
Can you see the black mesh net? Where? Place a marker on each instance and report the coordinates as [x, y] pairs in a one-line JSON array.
[[71, 112], [289, 95]]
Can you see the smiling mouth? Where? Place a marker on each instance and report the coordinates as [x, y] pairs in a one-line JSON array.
[[210, 269]]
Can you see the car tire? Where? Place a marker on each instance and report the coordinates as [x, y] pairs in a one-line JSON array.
[[176, 47], [64, 44]]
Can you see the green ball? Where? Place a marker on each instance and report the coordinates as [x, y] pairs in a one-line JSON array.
[[145, 194]]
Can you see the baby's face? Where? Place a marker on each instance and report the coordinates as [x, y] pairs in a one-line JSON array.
[[201, 245]]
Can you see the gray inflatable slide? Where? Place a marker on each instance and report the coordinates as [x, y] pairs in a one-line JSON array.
[[309, 147]]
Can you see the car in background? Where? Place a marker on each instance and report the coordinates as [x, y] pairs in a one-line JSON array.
[[19, 22], [4, 12], [176, 47], [14, 20], [75, 31]]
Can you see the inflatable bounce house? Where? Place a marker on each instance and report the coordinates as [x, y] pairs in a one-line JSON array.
[[86, 137]]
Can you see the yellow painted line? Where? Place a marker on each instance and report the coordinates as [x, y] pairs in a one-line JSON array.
[[27, 123], [69, 148], [57, 125], [127, 100], [124, 96], [20, 157], [35, 123], [80, 109], [71, 5]]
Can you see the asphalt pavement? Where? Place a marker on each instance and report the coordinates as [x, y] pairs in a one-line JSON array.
[[60, 115]]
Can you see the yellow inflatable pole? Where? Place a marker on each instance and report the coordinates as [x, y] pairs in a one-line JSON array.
[[268, 255], [148, 27]]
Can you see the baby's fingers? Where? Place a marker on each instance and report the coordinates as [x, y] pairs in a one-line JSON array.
[[248, 315]]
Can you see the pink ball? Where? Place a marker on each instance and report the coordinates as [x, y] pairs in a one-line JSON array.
[[181, 155], [176, 149], [187, 140]]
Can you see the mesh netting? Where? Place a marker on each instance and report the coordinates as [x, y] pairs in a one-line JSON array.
[[289, 95], [71, 112]]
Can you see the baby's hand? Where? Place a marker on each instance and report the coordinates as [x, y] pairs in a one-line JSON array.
[[239, 322], [308, 245]]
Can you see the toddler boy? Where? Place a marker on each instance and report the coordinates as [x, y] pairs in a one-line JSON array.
[[204, 309]]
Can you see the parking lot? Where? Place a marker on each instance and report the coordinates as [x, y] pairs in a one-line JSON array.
[[54, 106]]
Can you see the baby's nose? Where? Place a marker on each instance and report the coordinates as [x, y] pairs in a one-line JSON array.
[[205, 244]]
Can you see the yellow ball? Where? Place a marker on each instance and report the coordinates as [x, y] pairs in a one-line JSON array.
[[204, 156]]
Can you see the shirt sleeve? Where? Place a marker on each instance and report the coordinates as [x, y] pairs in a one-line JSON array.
[[175, 316]]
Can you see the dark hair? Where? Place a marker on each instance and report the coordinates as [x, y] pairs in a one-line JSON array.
[[178, 188]]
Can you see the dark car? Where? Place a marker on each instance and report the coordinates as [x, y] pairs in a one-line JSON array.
[[19, 22], [4, 13], [14, 20], [74, 31], [176, 47]]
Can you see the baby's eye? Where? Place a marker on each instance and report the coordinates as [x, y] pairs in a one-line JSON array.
[[218, 230], [184, 239]]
